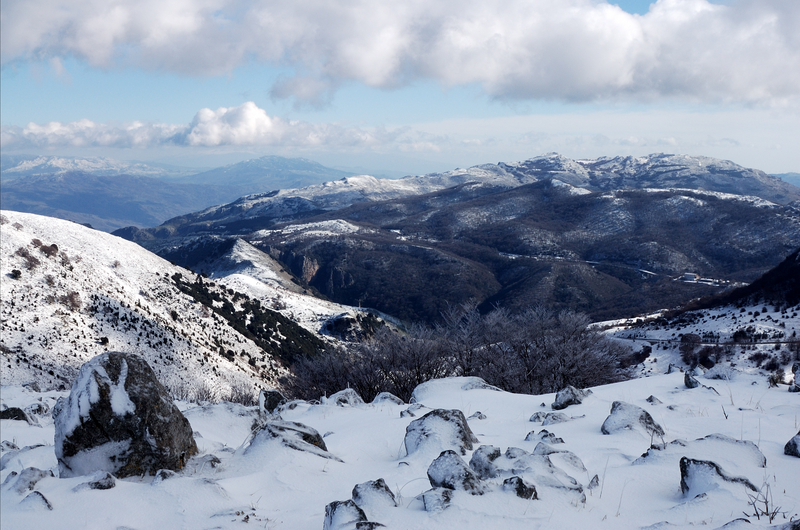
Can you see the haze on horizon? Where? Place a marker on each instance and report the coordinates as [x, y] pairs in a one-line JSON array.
[[406, 87]]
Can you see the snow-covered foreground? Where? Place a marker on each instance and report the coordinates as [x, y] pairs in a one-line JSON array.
[[272, 486]]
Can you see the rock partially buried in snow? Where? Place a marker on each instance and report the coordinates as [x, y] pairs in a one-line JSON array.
[[119, 418], [625, 416], [543, 436], [522, 489], [690, 381], [482, 461], [27, 479], [387, 397], [700, 476], [373, 496], [103, 480], [437, 499], [447, 429], [343, 515], [449, 471], [36, 501], [344, 398], [569, 396], [270, 400], [792, 447], [292, 435]]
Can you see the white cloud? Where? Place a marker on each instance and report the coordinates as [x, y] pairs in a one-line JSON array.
[[245, 125], [581, 50]]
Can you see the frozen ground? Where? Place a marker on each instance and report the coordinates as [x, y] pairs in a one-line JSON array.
[[271, 486]]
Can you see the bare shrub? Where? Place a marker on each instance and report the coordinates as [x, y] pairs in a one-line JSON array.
[[243, 394], [18, 226], [533, 352], [72, 300], [3, 220], [36, 242], [31, 261], [49, 250]]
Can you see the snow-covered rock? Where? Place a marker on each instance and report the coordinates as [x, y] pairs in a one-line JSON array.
[[625, 416], [792, 447], [293, 435], [569, 396], [118, 418], [700, 476], [440, 429], [449, 471]]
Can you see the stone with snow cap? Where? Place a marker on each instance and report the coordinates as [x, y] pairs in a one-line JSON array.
[[569, 395], [625, 416], [119, 418], [446, 429], [449, 471], [347, 397], [700, 476], [343, 515], [292, 435]]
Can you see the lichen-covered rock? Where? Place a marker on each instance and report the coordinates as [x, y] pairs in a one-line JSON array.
[[625, 416], [119, 418], [343, 515], [569, 395], [522, 489], [792, 447], [446, 429], [449, 471], [482, 461], [699, 476], [292, 435]]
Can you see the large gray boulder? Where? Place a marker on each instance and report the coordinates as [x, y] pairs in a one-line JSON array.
[[569, 396], [118, 418], [445, 429], [625, 416]]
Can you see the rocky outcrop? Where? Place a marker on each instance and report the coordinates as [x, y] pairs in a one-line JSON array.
[[569, 396], [625, 416], [445, 429], [118, 418]]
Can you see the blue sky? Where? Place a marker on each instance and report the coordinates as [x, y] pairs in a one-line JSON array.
[[401, 87]]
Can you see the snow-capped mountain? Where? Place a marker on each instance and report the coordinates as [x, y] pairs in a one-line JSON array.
[[70, 293], [16, 167]]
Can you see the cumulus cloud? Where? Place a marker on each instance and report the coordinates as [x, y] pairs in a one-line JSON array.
[[581, 50], [245, 125]]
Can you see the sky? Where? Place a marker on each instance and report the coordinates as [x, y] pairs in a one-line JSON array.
[[406, 87]]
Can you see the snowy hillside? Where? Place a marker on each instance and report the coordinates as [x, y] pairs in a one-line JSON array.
[[70, 293], [591, 480]]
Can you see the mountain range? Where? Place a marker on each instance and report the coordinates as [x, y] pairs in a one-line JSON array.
[[109, 194], [606, 236]]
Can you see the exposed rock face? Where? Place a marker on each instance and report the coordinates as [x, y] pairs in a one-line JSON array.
[[792, 447], [697, 476], [270, 400], [569, 396], [118, 418], [342, 515], [292, 435], [448, 428], [449, 471], [626, 416], [522, 489]]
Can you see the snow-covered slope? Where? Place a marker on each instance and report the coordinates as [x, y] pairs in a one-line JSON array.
[[70, 293], [738, 425]]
